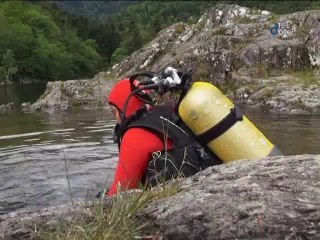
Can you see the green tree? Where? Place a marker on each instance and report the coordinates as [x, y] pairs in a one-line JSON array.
[[52, 62], [7, 69], [118, 55], [44, 43], [131, 38]]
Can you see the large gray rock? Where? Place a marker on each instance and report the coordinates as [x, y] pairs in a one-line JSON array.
[[62, 96], [25, 224], [277, 94], [229, 39], [276, 198], [272, 198], [243, 31], [230, 46]]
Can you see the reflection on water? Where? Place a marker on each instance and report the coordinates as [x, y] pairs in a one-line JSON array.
[[19, 93], [34, 148], [293, 134]]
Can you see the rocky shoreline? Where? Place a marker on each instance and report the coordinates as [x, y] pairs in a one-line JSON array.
[[277, 94], [283, 97], [62, 96], [272, 198], [230, 46]]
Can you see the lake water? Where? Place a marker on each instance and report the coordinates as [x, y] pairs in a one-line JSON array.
[[19, 93], [35, 150]]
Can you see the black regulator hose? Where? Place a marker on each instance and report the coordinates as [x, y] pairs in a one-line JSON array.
[[160, 85]]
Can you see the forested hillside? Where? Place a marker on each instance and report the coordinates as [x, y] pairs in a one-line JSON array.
[[99, 10], [96, 10], [40, 40], [128, 30], [34, 45], [135, 23], [120, 34]]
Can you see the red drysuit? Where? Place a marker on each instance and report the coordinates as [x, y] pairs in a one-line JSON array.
[[137, 143]]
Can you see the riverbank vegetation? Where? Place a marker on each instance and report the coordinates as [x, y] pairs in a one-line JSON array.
[[38, 47], [119, 218]]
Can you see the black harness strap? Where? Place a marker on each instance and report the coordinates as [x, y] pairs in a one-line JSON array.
[[120, 128], [138, 114], [162, 121], [220, 128], [186, 83]]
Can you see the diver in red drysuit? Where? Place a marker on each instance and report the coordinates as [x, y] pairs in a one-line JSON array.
[[137, 143]]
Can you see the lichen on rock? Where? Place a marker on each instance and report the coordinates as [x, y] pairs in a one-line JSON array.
[[275, 198]]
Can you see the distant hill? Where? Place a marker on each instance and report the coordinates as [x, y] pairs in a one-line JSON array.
[[97, 10]]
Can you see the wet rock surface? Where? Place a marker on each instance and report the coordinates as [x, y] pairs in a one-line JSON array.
[[7, 108], [272, 198]]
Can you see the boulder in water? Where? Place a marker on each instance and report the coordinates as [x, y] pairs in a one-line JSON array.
[[6, 108]]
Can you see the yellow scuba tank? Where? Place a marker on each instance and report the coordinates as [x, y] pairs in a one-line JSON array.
[[217, 123]]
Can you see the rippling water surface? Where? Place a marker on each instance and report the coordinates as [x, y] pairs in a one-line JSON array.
[[34, 151]]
